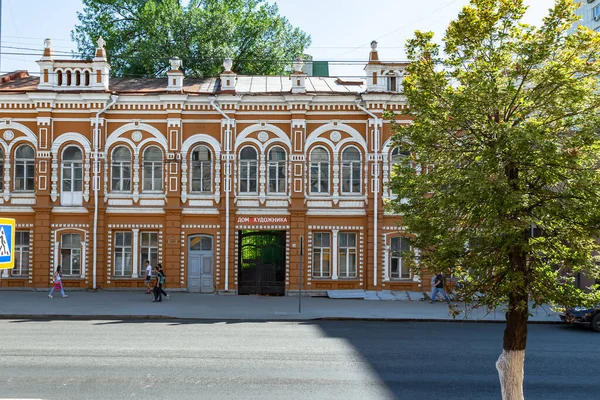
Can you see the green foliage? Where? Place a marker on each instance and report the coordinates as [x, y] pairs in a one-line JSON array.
[[142, 35], [503, 186]]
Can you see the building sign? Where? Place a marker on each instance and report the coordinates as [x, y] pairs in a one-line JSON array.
[[262, 220], [7, 243]]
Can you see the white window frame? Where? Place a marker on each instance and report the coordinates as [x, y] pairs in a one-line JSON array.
[[21, 254], [245, 168], [347, 270], [348, 168], [72, 196], [148, 251], [317, 262], [121, 271], [396, 256], [121, 179], [279, 166], [596, 13], [27, 164], [321, 166], [156, 182], [198, 169], [73, 251]]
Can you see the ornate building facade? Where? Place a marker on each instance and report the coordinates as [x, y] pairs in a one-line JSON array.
[[225, 181]]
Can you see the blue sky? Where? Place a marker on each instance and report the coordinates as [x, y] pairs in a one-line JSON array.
[[341, 30]]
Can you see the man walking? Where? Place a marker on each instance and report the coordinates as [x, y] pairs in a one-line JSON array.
[[438, 287], [148, 276]]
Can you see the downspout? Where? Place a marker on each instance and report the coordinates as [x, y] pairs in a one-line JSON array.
[[113, 100], [227, 187], [376, 191]]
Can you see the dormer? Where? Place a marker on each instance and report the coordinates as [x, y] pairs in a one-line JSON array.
[[384, 76], [298, 77], [175, 76], [65, 75], [228, 77]]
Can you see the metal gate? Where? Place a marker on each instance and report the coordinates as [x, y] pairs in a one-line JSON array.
[[261, 268]]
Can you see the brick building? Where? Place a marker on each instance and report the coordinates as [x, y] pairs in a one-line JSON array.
[[216, 178]]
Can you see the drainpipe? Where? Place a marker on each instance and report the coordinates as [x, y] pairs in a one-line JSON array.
[[113, 100], [227, 186], [376, 193]]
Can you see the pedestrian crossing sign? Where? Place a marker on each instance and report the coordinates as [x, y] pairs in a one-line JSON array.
[[7, 243]]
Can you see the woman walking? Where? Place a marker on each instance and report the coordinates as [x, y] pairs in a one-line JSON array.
[[160, 279], [57, 283]]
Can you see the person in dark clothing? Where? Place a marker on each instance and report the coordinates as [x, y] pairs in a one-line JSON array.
[[160, 279], [438, 287], [162, 290]]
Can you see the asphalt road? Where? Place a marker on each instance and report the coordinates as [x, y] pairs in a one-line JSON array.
[[285, 360]]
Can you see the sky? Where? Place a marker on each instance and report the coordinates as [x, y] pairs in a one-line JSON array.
[[341, 30]]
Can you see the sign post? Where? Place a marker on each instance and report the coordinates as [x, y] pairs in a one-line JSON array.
[[7, 243], [301, 275]]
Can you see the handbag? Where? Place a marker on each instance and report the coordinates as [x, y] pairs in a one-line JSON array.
[[57, 285]]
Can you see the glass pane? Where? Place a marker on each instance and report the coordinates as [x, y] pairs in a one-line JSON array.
[[277, 154], [395, 244], [342, 263], [314, 178], [319, 154], [206, 244], [121, 154], [154, 239], [351, 154], [352, 263], [201, 153], [326, 262], [317, 262], [127, 239], [65, 259], [394, 267], [76, 262], [152, 154], [72, 153], [195, 243], [248, 153], [24, 152]]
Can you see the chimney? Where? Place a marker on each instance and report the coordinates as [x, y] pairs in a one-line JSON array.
[[228, 77], [175, 76], [298, 77], [375, 82]]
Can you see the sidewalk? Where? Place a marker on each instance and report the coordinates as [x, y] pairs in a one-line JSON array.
[[137, 305]]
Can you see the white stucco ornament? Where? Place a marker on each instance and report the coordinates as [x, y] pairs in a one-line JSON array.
[[335, 136], [263, 136], [227, 64], [8, 135], [48, 43], [101, 43], [175, 63], [136, 136]]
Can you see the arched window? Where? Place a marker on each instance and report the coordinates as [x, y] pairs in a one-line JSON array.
[[24, 168], [87, 78], [121, 169], [77, 78], [276, 170], [70, 253], [153, 169], [397, 157], [319, 171], [248, 170], [201, 170], [72, 176], [69, 78], [351, 168], [59, 78]]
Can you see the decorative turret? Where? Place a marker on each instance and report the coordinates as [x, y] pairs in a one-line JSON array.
[[78, 75], [175, 76], [382, 76], [228, 77], [298, 77]]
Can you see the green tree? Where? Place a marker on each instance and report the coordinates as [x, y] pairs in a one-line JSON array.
[[142, 35], [502, 188]]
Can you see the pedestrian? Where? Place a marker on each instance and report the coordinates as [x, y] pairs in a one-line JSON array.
[[438, 287], [160, 279], [162, 288], [148, 276], [57, 283]]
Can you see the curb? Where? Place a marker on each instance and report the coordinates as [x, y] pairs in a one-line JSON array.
[[104, 317]]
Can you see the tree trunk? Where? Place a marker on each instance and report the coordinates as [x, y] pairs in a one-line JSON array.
[[511, 361]]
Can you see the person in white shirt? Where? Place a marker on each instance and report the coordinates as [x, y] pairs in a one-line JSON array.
[[148, 276]]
